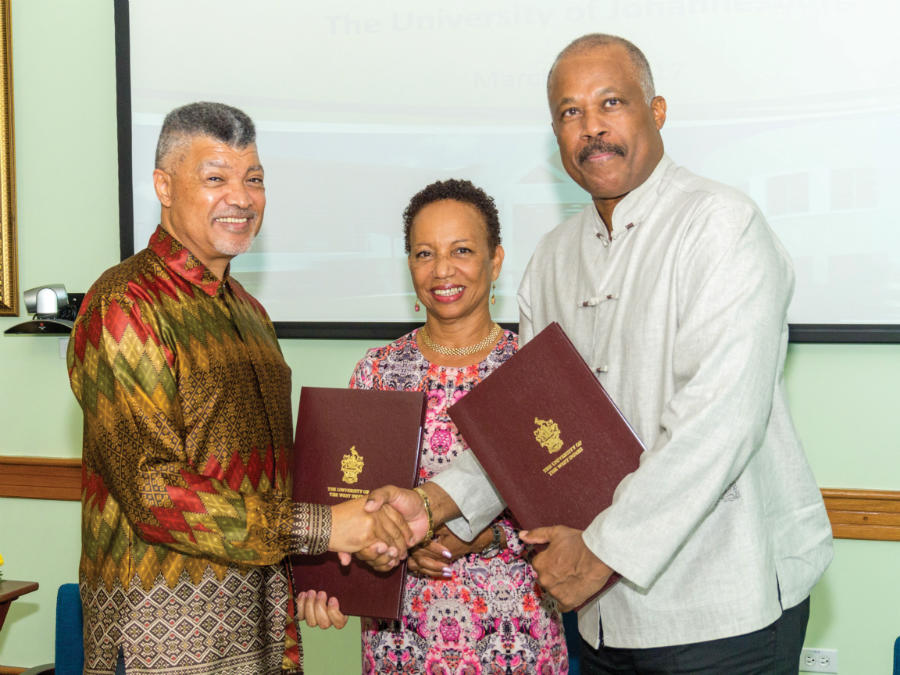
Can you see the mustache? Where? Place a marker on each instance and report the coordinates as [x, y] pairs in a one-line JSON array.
[[599, 145]]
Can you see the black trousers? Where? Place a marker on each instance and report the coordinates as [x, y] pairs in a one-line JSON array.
[[773, 650]]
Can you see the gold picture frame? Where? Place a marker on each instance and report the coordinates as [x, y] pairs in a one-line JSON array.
[[9, 272]]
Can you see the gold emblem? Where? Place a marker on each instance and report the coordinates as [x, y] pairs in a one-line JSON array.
[[547, 434], [352, 465]]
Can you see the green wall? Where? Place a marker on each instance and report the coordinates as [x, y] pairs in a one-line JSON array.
[[843, 396]]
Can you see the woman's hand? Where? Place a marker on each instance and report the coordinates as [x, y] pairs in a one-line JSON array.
[[434, 560]]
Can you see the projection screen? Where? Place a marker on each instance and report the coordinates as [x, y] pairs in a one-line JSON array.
[[359, 105]]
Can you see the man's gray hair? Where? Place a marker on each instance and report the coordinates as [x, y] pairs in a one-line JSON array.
[[593, 40], [217, 120]]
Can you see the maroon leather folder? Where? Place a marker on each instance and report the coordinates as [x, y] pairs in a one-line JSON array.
[[348, 442], [548, 435]]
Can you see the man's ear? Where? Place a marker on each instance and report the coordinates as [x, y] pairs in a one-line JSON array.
[[658, 107], [162, 183]]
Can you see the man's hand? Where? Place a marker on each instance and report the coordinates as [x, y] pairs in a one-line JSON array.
[[410, 505], [407, 503], [411, 508], [566, 569], [354, 528], [319, 611]]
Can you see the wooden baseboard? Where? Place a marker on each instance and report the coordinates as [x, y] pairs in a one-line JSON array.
[[854, 514]]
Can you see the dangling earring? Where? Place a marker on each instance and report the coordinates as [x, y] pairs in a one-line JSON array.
[[493, 297], [417, 308]]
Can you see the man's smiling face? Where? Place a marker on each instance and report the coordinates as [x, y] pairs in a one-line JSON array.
[[608, 134], [213, 198]]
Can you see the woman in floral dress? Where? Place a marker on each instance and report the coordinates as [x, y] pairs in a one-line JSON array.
[[469, 607]]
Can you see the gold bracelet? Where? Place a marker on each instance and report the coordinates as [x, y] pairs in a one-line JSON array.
[[429, 535]]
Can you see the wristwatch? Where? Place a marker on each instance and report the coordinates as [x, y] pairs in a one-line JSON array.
[[493, 548]]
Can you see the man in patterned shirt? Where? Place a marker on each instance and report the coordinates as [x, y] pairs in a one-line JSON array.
[[186, 509]]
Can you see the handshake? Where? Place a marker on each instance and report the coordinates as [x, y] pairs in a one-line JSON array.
[[380, 529]]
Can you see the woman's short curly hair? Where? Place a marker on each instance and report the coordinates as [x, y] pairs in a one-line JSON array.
[[459, 190]]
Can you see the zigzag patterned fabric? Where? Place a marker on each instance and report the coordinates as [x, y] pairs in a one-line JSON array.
[[186, 516]]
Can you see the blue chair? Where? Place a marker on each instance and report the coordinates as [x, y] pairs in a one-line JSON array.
[[69, 646], [897, 656], [573, 641], [69, 643]]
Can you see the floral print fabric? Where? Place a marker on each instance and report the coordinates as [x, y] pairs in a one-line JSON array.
[[490, 616]]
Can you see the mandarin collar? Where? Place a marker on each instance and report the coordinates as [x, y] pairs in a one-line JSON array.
[[631, 210], [184, 263]]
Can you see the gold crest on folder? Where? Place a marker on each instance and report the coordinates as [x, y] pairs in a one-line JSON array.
[[547, 434], [352, 465]]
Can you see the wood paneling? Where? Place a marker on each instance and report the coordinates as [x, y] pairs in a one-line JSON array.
[[40, 478], [854, 514], [864, 514]]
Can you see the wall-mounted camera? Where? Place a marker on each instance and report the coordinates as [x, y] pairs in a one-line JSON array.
[[53, 309]]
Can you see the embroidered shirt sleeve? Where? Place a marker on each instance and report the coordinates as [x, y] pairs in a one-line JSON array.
[[310, 528]]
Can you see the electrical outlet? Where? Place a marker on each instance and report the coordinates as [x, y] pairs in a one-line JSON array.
[[819, 661]]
